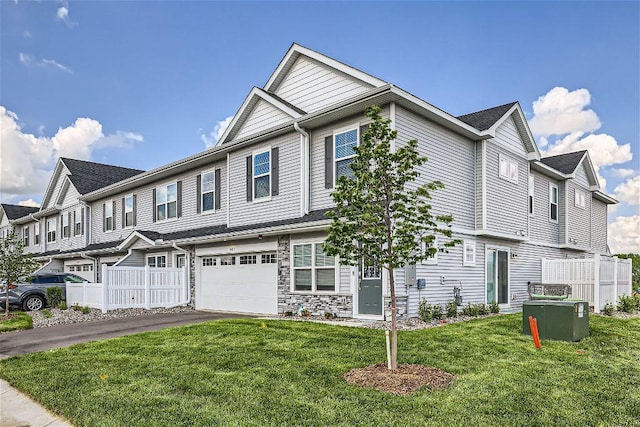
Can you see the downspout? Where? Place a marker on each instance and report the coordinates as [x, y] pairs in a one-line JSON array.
[[187, 263], [305, 167], [95, 265]]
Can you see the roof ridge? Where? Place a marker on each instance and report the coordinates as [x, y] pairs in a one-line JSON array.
[[566, 154], [510, 104]]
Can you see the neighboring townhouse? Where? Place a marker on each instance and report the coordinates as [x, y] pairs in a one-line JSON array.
[[247, 216]]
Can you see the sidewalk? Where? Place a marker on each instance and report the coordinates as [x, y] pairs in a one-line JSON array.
[[18, 410]]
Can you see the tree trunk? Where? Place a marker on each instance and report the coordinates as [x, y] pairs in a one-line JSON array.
[[394, 325]]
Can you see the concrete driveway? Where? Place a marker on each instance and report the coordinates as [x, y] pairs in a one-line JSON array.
[[40, 339]]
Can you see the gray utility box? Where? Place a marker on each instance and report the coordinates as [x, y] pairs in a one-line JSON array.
[[565, 320]]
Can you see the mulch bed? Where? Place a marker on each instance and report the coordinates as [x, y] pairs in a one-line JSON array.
[[403, 381]]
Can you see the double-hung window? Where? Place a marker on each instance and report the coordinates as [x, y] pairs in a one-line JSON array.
[[51, 230], [553, 202], [77, 226], [262, 174], [157, 261], [167, 202], [25, 236], [469, 253], [108, 216], [128, 211], [66, 228], [531, 193], [313, 270], [344, 144], [579, 199], [208, 191], [508, 169], [36, 233]]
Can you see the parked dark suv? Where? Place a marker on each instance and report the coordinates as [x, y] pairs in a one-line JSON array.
[[31, 294]]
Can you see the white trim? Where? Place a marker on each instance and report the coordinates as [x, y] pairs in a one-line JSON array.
[[531, 155], [108, 203], [124, 209], [579, 199], [511, 167], [468, 244], [489, 247], [213, 209], [434, 259], [313, 267], [156, 256], [130, 238], [255, 153], [166, 203], [340, 131], [65, 216], [531, 198], [228, 195], [557, 203], [484, 183]]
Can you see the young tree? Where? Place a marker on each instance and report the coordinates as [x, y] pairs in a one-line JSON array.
[[14, 263], [383, 216], [635, 269]]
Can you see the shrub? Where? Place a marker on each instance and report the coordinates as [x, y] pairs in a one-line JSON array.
[[608, 308], [62, 305], [85, 309], [288, 313], [47, 313], [329, 315], [482, 309], [452, 309], [305, 313], [53, 296], [437, 312], [425, 311], [494, 307], [626, 303]]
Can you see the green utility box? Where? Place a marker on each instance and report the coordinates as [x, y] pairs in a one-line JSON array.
[[565, 320]]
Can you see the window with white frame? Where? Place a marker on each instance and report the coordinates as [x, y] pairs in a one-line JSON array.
[[167, 202], [108, 216], [469, 253], [531, 193], [579, 199], [128, 211], [248, 259], [51, 230], [77, 226], [553, 202], [313, 270], [344, 144], [207, 191], [508, 169], [66, 228], [157, 261], [25, 236], [262, 174], [36, 233], [424, 246], [208, 261], [269, 259], [228, 260]]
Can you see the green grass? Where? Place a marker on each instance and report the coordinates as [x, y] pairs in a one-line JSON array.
[[18, 320], [238, 373]]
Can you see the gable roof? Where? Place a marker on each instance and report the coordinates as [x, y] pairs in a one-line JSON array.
[[16, 211], [90, 176], [565, 163], [484, 119]]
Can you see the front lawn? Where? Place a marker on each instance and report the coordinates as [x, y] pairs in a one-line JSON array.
[[249, 372], [17, 320]]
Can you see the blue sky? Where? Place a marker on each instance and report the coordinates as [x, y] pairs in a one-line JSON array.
[[142, 84]]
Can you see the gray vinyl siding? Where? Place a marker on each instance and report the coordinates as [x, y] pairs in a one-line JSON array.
[[72, 242], [579, 219], [562, 212], [310, 85], [55, 245], [507, 201], [344, 286], [320, 196], [542, 229], [599, 227], [57, 186], [263, 116], [478, 179], [144, 208], [70, 196], [581, 178], [508, 137], [451, 160], [135, 259], [283, 206]]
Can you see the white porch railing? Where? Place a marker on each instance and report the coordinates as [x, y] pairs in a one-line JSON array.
[[597, 280], [132, 287]]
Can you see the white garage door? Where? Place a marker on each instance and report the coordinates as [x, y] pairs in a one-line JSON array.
[[242, 283], [83, 270]]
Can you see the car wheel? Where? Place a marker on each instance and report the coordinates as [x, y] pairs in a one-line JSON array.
[[33, 303]]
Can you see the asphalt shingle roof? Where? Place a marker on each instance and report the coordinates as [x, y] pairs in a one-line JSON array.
[[16, 211], [565, 163], [483, 120], [90, 176]]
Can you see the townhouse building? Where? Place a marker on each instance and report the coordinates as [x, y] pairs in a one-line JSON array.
[[246, 217]]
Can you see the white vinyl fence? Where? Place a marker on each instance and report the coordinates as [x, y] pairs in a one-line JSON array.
[[132, 287], [598, 280]]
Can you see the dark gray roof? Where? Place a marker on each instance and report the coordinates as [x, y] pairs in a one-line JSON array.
[[565, 163], [287, 103], [17, 211], [90, 176], [92, 247], [483, 120], [151, 235]]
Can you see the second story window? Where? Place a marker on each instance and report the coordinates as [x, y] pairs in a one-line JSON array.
[[344, 144], [580, 199], [66, 228], [108, 216], [51, 230], [531, 192], [25, 236], [262, 174], [77, 222], [167, 202], [36, 233], [508, 169], [208, 191], [127, 211], [553, 202]]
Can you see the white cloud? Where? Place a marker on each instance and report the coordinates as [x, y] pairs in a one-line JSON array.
[[624, 235], [623, 173], [31, 203], [604, 150], [218, 129], [63, 15], [629, 191], [27, 160], [559, 112], [31, 61]]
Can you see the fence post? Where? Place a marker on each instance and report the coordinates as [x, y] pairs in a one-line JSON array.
[[147, 287], [615, 280], [596, 283], [105, 288], [84, 293]]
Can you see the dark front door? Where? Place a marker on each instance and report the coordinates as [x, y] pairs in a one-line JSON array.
[[370, 290]]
